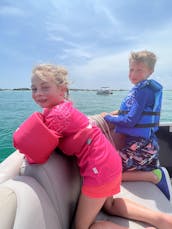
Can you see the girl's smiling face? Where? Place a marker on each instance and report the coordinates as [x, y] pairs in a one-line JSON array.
[[46, 93], [138, 71]]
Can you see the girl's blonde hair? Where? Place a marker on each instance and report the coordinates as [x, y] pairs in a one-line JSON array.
[[58, 73], [146, 57]]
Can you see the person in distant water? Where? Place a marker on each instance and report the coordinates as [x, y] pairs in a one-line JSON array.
[[99, 162], [138, 119]]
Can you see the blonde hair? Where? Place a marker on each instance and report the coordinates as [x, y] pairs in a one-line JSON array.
[[146, 57], [58, 73]]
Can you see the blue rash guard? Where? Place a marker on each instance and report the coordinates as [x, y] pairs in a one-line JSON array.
[[140, 111], [138, 119]]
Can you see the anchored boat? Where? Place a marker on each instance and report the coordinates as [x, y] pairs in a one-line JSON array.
[[104, 91]]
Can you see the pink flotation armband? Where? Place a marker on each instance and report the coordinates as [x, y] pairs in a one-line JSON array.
[[34, 139]]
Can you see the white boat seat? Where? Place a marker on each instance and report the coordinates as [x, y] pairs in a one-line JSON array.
[[59, 177], [45, 196], [10, 167], [8, 206], [27, 205], [146, 194]]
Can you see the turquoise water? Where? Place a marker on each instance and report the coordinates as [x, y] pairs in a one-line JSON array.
[[16, 106]]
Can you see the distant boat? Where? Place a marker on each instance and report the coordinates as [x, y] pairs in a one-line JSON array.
[[104, 91]]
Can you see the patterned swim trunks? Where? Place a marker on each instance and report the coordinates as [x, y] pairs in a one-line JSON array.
[[140, 154]]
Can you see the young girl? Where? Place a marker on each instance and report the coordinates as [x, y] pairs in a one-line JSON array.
[[98, 161], [138, 119]]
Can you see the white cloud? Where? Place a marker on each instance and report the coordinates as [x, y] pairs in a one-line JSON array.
[[93, 39], [11, 11], [103, 10], [111, 70]]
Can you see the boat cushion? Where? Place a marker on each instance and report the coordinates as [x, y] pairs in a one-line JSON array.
[[34, 209], [144, 193], [60, 178], [8, 206], [10, 167]]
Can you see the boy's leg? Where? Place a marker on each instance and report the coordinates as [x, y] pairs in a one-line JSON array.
[[140, 176], [132, 210], [160, 177]]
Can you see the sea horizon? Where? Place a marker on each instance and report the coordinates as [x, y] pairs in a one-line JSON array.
[[72, 89]]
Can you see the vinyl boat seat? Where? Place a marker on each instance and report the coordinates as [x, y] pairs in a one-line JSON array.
[[26, 206], [8, 206], [45, 196]]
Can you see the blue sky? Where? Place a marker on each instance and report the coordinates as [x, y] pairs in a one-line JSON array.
[[91, 38]]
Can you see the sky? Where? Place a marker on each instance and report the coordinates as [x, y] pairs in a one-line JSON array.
[[91, 38]]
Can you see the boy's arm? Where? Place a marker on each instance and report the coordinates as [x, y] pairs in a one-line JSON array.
[[135, 112], [116, 112]]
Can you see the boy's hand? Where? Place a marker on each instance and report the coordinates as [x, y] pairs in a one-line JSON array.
[[116, 112], [103, 114]]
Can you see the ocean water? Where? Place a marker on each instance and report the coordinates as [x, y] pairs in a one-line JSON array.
[[16, 106]]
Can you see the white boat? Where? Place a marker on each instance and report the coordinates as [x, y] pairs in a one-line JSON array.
[[104, 91], [44, 196]]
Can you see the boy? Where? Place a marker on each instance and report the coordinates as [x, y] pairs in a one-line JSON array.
[[138, 119]]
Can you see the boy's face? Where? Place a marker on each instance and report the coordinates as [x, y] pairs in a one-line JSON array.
[[138, 71]]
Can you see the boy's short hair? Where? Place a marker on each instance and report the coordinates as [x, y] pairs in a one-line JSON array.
[[146, 57]]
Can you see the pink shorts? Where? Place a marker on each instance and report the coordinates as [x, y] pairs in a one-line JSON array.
[[106, 190]]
